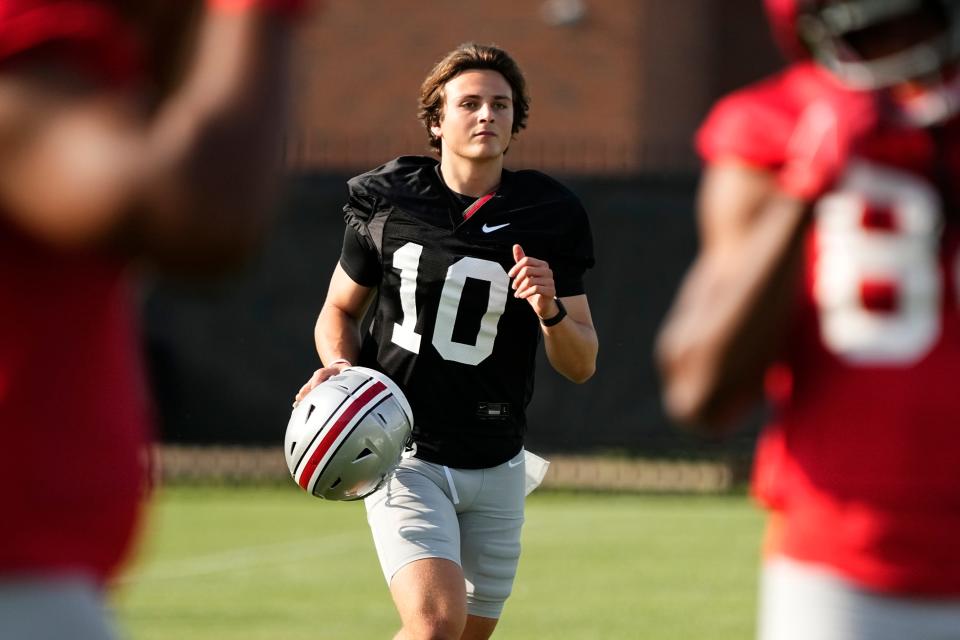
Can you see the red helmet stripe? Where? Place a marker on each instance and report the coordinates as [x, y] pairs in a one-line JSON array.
[[336, 429]]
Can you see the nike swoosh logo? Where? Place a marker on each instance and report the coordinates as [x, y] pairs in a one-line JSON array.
[[515, 463], [489, 229]]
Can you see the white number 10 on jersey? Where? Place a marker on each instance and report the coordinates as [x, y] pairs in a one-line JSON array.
[[407, 261]]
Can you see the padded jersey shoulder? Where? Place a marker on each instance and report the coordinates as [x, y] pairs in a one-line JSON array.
[[754, 124], [407, 181]]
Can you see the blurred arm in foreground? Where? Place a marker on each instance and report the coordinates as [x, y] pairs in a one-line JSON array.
[[186, 182], [104, 160]]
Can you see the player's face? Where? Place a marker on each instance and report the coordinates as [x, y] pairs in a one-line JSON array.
[[477, 118]]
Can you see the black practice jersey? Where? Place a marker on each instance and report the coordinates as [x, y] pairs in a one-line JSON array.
[[445, 324]]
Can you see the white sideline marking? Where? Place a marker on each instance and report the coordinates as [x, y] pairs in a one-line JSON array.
[[237, 559]]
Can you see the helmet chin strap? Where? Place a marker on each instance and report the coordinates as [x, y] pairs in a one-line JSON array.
[[914, 62], [931, 104]]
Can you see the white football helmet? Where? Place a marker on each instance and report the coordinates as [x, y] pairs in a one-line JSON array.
[[347, 434]]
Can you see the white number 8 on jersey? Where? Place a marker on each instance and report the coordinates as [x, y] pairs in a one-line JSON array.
[[877, 281]]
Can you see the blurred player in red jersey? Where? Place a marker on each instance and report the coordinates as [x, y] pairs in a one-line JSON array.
[[99, 169], [829, 275]]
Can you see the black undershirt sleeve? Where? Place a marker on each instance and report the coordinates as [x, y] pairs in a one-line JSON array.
[[359, 258]]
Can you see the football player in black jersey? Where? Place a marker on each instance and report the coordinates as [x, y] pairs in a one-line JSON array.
[[467, 267]]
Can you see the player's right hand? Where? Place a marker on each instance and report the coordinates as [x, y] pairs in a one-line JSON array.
[[827, 132], [320, 375]]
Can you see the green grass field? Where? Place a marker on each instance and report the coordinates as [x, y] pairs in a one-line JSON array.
[[272, 563]]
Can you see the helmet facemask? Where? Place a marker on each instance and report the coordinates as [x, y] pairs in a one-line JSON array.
[[875, 44]]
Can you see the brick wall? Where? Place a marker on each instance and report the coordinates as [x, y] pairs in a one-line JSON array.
[[617, 92]]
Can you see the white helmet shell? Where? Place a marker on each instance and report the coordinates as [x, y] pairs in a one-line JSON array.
[[348, 434]]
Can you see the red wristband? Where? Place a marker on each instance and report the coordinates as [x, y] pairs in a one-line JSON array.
[[286, 8]]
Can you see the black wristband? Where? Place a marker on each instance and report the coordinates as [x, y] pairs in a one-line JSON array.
[[561, 314]]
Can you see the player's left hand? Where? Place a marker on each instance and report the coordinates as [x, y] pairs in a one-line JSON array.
[[533, 282]]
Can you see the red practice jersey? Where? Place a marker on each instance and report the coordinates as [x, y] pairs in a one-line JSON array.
[[862, 458], [73, 407]]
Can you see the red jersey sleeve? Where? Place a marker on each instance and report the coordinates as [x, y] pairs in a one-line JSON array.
[[742, 127], [755, 124]]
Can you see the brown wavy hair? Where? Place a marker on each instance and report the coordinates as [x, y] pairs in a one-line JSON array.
[[467, 57]]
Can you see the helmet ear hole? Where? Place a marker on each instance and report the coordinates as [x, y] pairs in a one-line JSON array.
[[336, 482], [293, 446], [363, 454]]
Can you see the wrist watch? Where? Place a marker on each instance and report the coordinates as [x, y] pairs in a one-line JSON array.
[[561, 314]]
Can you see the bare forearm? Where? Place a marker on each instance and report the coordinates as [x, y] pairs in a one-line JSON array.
[[724, 329], [337, 332], [571, 348], [337, 335], [187, 185], [216, 141]]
